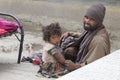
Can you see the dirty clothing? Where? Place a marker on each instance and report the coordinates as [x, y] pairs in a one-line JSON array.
[[94, 44], [69, 48], [50, 66], [98, 47], [48, 51]]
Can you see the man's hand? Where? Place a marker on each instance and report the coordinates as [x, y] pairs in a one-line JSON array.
[[65, 35], [71, 66]]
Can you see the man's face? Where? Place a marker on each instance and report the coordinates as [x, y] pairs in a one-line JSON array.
[[89, 24]]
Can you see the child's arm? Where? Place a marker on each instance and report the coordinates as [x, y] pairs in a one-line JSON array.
[[59, 57]]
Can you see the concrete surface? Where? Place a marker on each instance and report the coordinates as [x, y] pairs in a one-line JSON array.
[[106, 68], [10, 70]]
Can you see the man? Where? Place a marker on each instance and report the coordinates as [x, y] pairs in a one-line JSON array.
[[94, 41]]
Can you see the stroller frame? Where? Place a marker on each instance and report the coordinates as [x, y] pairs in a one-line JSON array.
[[21, 38]]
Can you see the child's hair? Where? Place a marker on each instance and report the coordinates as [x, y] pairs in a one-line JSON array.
[[50, 30]]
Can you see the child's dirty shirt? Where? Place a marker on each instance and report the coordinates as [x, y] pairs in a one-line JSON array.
[[48, 51]]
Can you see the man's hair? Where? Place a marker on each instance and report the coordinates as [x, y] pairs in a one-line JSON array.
[[51, 30]]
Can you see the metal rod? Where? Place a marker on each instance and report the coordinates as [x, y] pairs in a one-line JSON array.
[[22, 34]]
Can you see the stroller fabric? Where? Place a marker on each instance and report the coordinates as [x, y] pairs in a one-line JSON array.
[[7, 27]]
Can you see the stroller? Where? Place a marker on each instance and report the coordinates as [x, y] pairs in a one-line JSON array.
[[7, 28]]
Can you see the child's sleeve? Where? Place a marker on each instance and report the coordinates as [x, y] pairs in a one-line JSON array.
[[53, 50]]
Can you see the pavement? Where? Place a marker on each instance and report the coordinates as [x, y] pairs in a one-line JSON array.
[[10, 70]]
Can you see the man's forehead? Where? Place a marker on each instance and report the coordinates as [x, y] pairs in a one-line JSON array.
[[90, 18]]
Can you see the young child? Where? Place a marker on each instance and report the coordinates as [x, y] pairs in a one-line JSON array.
[[53, 61]]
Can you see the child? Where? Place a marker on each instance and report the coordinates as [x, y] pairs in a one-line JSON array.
[[52, 59]]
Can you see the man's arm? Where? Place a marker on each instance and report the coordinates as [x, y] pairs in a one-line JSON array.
[[65, 35], [97, 49]]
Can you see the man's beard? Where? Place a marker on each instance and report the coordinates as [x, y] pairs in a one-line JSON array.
[[88, 27]]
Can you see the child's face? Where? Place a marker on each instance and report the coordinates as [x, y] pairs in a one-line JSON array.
[[55, 39]]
